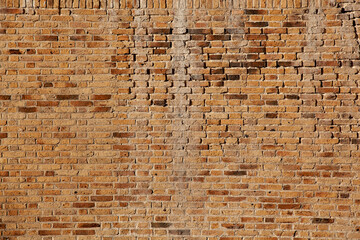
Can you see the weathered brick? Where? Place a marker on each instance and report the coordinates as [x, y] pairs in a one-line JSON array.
[[123, 135], [46, 38], [83, 205], [67, 97], [27, 109], [11, 11], [49, 232], [180, 232], [84, 232], [160, 225], [5, 97]]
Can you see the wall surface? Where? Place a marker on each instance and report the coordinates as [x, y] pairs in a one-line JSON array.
[[179, 119]]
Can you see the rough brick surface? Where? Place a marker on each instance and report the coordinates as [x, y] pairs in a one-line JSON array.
[[179, 119]]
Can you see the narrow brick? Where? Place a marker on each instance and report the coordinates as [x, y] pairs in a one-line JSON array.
[[49, 232], [79, 38], [235, 173], [27, 109], [46, 38], [294, 24], [289, 206], [101, 109], [271, 115], [256, 24], [14, 51], [83, 205], [101, 198], [180, 232], [160, 44], [67, 97], [101, 97], [5, 97], [84, 232], [64, 135], [292, 96], [236, 96], [255, 12], [217, 192], [160, 102], [159, 31], [322, 220], [81, 103], [123, 135], [160, 225], [88, 225], [198, 31], [11, 11], [232, 225], [47, 103], [63, 225]]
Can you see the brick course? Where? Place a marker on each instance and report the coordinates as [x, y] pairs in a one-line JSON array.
[[179, 119]]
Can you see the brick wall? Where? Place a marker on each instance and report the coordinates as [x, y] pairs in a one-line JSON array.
[[179, 119]]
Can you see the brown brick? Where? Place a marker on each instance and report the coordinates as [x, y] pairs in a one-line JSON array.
[[271, 115], [63, 225], [79, 38], [64, 135], [236, 96], [199, 31], [101, 97], [14, 51], [81, 103], [67, 97], [235, 173], [256, 24], [160, 44], [289, 206], [49, 232], [217, 192], [159, 31], [83, 205], [123, 135], [294, 24], [180, 232], [27, 109], [5, 97], [322, 220], [46, 38], [11, 11], [101, 198], [101, 109], [160, 225], [255, 12], [3, 135], [232, 226], [84, 232], [88, 225]]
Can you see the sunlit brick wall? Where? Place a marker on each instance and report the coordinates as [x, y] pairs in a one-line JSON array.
[[179, 119]]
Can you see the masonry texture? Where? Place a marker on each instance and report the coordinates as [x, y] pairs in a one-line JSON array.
[[179, 119]]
